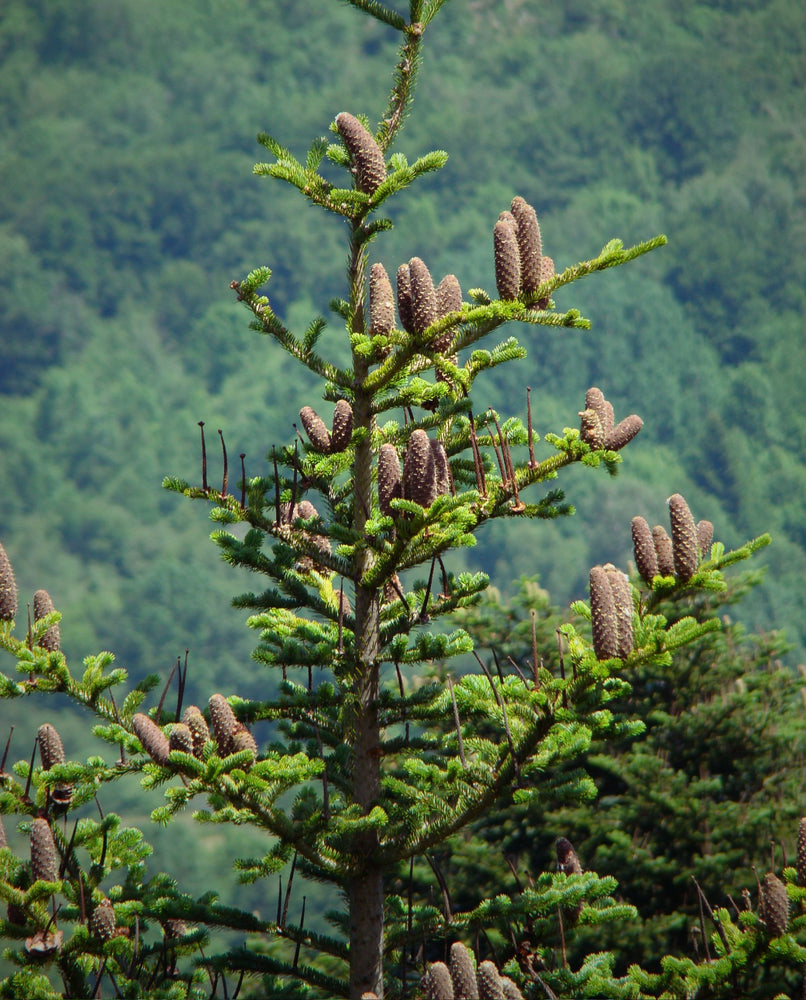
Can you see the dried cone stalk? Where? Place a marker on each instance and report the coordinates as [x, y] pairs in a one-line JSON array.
[[381, 302], [622, 596], [646, 558], [404, 303], [102, 921], [44, 856], [623, 432], [507, 259], [197, 725], [8, 589], [315, 428], [43, 605], [423, 296], [436, 984], [463, 973], [342, 426], [224, 723], [419, 475], [181, 738], [153, 739], [684, 538], [663, 550], [370, 168], [390, 485], [705, 536], [774, 908], [604, 620], [529, 244]]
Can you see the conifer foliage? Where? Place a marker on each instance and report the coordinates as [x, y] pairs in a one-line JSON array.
[[349, 530]]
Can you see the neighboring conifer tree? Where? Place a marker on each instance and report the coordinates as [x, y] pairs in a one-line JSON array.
[[369, 769]]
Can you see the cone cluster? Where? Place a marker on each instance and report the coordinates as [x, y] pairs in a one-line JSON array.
[[51, 752], [320, 437], [419, 302], [598, 426], [520, 267], [611, 612], [230, 735], [370, 168], [461, 980], [426, 472], [656, 553]]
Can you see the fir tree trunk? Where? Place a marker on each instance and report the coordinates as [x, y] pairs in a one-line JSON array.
[[366, 887]]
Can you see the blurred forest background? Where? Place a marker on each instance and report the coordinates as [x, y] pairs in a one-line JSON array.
[[128, 205]]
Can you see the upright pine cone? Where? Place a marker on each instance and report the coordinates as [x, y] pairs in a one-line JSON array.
[[604, 620], [622, 597], [197, 724], [463, 973], [529, 244], [224, 723], [342, 426], [43, 605], [705, 536], [8, 589], [381, 302], [315, 428], [591, 430], [51, 751], [153, 739], [663, 550], [44, 856], [595, 400], [181, 738], [423, 296], [507, 259], [404, 304], [390, 485], [370, 168], [442, 469], [684, 538], [646, 558], [624, 431], [419, 474], [774, 908], [437, 984], [242, 739], [102, 921], [801, 862]]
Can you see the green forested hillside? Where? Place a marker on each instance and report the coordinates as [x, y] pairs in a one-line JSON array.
[[128, 204]]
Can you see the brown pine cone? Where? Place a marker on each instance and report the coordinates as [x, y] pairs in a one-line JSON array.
[[529, 244], [152, 738], [705, 537], [390, 486], [315, 428], [591, 430], [404, 303], [507, 259], [624, 431], [342, 426], [622, 597], [595, 400], [181, 738], [463, 972], [370, 168], [801, 862], [8, 589], [449, 299], [489, 982], [684, 538], [224, 723], [197, 724], [663, 550], [436, 984], [102, 921], [442, 469], [242, 739], [774, 906], [646, 559], [419, 474], [604, 620], [44, 856], [423, 296], [51, 751], [43, 605], [381, 302]]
